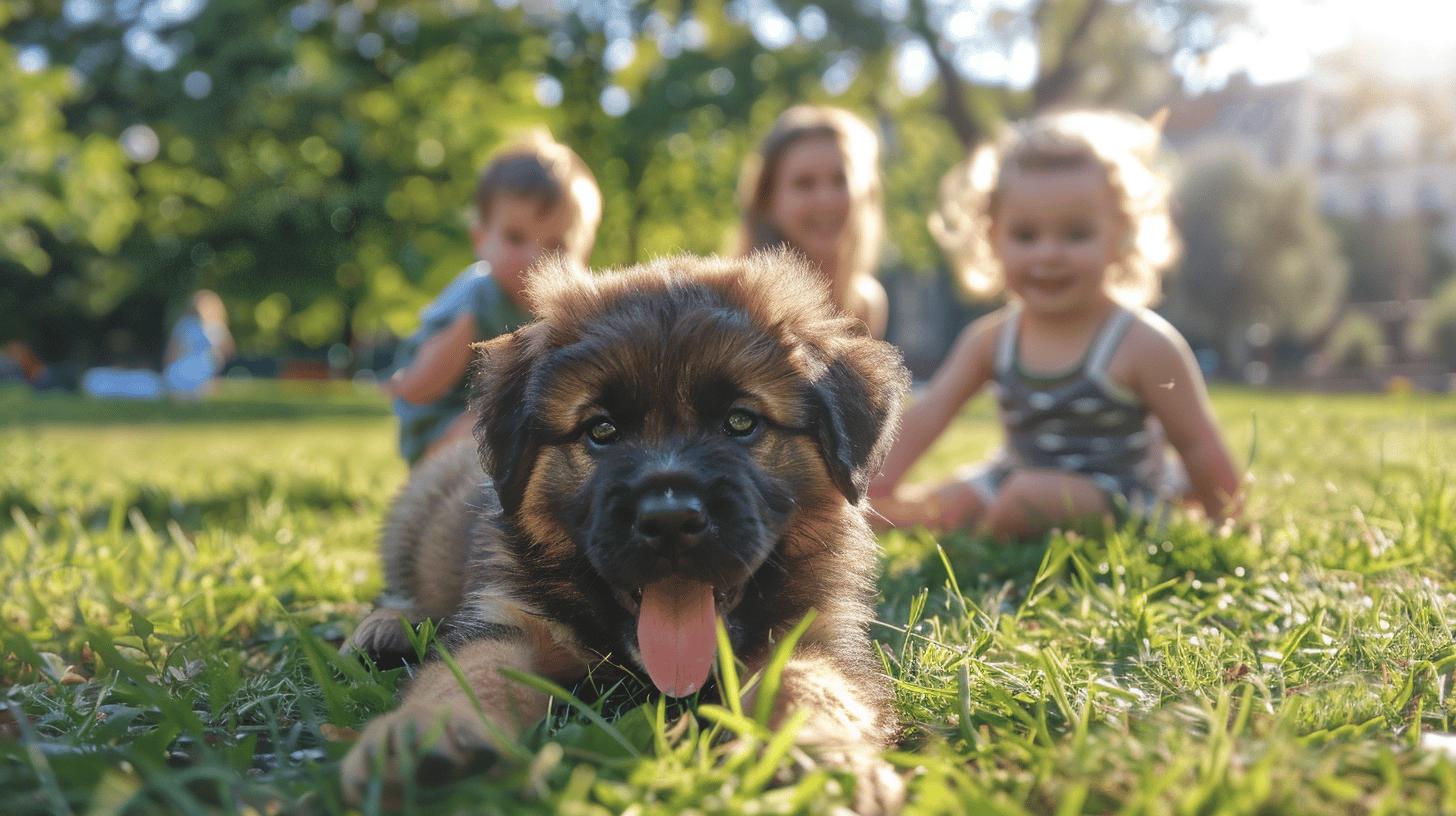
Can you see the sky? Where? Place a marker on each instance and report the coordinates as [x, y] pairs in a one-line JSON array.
[[1398, 39], [1401, 39]]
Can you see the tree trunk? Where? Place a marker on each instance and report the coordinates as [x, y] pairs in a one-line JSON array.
[[952, 86]]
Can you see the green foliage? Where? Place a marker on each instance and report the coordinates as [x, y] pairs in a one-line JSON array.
[[1357, 341], [1391, 257], [55, 181], [1434, 332], [313, 162], [1255, 244], [174, 581]]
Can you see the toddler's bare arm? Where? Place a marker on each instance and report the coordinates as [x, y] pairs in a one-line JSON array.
[[960, 377], [1170, 384]]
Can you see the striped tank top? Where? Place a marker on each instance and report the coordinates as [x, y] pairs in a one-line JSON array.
[[1080, 420]]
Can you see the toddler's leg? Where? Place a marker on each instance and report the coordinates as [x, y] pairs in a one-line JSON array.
[[1034, 501], [947, 506]]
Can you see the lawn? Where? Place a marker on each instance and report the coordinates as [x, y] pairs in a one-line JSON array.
[[174, 581]]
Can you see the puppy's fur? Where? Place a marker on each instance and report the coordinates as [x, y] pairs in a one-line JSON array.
[[532, 554]]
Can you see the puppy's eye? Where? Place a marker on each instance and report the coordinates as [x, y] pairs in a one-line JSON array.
[[602, 431], [740, 423]]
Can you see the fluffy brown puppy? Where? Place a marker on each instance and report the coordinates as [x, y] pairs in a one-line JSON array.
[[666, 446]]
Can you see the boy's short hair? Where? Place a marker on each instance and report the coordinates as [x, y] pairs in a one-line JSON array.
[[551, 173]]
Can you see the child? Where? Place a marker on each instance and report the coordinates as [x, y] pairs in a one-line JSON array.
[[1069, 217], [535, 198], [815, 185], [199, 346]]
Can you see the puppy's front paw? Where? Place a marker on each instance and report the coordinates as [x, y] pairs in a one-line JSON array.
[[381, 635], [437, 744]]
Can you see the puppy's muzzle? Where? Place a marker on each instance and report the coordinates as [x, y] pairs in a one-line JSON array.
[[670, 522]]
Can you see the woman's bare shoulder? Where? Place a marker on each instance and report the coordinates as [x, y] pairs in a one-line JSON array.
[[870, 303]]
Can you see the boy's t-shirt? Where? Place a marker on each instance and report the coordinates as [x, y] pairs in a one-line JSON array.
[[472, 292]]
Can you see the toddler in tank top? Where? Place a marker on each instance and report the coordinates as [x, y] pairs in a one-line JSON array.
[[1068, 216]]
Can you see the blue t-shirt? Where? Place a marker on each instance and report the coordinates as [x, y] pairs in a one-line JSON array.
[[473, 292], [198, 355]]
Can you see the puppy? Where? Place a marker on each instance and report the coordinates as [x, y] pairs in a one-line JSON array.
[[665, 447]]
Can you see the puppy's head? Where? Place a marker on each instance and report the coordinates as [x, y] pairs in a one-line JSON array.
[[658, 432]]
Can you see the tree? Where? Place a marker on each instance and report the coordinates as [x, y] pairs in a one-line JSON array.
[[60, 187], [313, 161], [1255, 252], [1087, 52], [1357, 341], [1434, 332]]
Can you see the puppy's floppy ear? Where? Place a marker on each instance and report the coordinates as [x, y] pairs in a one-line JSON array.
[[501, 399], [856, 408]]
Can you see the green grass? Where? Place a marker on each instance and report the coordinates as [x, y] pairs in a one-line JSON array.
[[174, 579]]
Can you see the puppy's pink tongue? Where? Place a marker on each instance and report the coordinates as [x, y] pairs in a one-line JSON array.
[[676, 635]]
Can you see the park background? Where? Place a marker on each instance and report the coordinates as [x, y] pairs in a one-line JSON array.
[[312, 162], [175, 577]]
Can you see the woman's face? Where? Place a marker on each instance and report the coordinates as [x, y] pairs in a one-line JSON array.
[[809, 201]]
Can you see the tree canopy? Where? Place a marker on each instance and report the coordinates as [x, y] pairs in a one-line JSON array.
[[1254, 243], [312, 161]]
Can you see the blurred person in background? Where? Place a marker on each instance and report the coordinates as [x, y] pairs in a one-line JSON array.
[[199, 345], [19, 364], [535, 198], [814, 185]]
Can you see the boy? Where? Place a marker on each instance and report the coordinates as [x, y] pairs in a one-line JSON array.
[[532, 199]]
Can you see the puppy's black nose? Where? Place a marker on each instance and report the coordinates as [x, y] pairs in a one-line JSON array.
[[669, 514]]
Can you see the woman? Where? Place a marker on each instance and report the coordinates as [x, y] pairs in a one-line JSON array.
[[814, 185]]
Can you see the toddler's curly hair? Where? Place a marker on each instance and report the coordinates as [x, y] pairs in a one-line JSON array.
[[1123, 145]]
